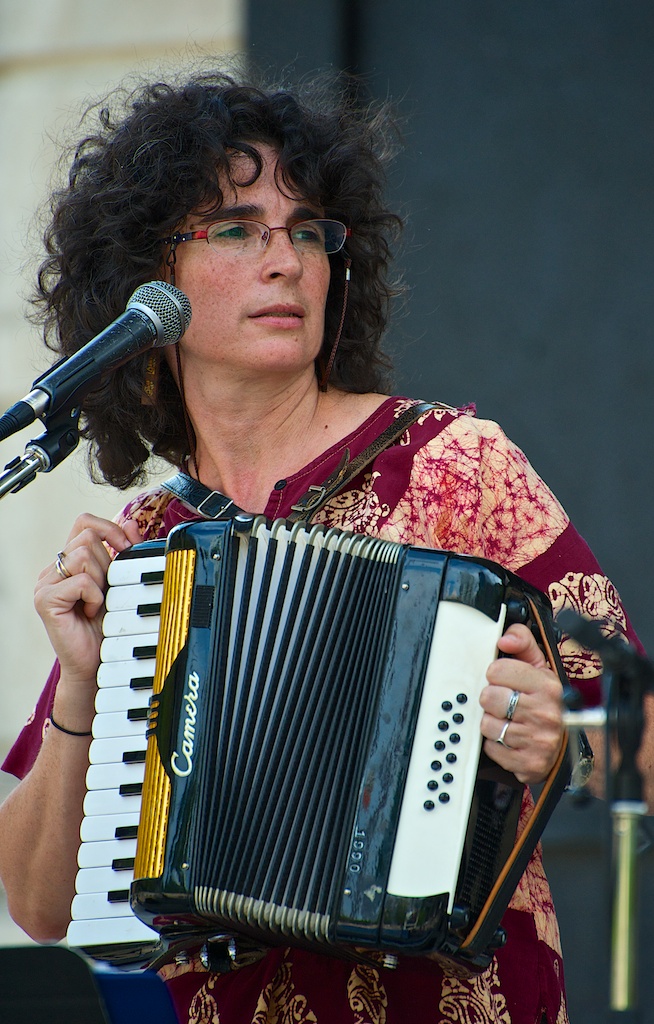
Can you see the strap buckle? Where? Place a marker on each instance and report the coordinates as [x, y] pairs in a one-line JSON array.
[[214, 505], [310, 504], [316, 494]]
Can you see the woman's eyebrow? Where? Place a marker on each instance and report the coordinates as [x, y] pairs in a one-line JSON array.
[[248, 210]]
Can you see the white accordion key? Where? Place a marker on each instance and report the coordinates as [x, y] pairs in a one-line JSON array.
[[111, 801], [107, 776], [103, 879], [119, 724], [109, 931], [104, 826], [94, 905], [117, 748], [125, 571], [122, 648], [120, 599], [135, 674], [120, 698], [103, 854], [129, 623]]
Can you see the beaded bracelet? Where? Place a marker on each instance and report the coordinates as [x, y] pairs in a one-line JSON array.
[[69, 732]]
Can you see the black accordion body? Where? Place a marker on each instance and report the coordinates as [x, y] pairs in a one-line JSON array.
[[314, 773]]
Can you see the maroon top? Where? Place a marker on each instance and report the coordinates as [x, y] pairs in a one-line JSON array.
[[455, 483]]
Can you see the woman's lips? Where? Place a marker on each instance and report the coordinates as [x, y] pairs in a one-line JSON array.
[[281, 313]]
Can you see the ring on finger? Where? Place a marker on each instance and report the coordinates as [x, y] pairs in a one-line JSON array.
[[60, 566], [500, 738], [512, 705]]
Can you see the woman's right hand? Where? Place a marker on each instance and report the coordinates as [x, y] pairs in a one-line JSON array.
[[70, 598]]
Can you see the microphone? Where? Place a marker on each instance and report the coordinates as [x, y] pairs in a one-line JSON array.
[[157, 314]]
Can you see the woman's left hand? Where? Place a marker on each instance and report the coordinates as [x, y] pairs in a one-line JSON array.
[[531, 736]]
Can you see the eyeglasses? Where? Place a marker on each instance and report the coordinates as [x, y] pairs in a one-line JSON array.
[[309, 237]]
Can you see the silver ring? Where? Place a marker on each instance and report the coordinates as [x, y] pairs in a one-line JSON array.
[[513, 703], [60, 566], [500, 738]]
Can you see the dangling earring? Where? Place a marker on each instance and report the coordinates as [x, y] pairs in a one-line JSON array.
[[324, 377], [150, 389], [171, 260]]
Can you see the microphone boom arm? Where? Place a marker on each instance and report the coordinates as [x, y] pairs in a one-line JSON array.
[[45, 452]]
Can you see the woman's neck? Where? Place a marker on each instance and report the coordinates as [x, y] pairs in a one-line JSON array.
[[251, 437]]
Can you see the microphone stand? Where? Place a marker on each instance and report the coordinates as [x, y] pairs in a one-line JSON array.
[[625, 722], [61, 437], [628, 677]]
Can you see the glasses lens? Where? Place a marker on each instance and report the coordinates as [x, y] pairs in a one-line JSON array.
[[320, 236], [235, 235]]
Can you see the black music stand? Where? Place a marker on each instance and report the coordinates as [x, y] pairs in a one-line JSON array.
[[54, 985]]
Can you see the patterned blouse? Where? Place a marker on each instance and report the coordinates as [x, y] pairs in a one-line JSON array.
[[456, 483]]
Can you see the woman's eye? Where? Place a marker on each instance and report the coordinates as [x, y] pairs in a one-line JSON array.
[[232, 231], [308, 234]]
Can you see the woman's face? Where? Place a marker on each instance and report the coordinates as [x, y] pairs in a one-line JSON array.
[[261, 313]]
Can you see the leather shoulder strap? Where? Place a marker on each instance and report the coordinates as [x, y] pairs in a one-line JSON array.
[[209, 504], [319, 494]]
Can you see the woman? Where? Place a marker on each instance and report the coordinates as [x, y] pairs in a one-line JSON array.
[[257, 205]]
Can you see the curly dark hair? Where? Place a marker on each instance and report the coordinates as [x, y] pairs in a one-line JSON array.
[[160, 152]]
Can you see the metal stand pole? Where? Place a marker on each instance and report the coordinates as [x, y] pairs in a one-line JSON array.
[[623, 990], [627, 677]]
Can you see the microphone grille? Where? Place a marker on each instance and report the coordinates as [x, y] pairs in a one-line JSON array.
[[169, 304]]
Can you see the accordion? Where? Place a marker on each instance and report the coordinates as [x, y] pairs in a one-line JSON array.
[[313, 773]]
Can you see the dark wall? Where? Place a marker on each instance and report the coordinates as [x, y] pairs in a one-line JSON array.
[[527, 183]]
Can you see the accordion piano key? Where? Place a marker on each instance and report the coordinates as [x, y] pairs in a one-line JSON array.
[[125, 648], [90, 905], [105, 826], [104, 853], [120, 698], [141, 565], [103, 878], [107, 776], [114, 749], [130, 598], [136, 675], [131, 622], [119, 723], [111, 801], [113, 938]]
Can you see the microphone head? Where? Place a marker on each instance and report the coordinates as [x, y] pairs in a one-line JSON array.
[[168, 308]]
